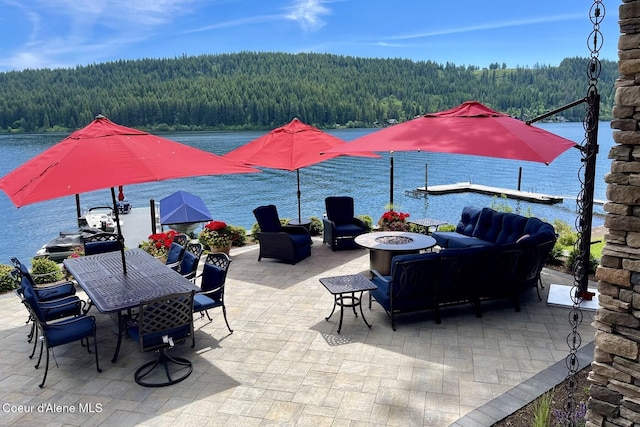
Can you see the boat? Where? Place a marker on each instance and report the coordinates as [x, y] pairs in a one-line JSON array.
[[100, 217], [67, 242]]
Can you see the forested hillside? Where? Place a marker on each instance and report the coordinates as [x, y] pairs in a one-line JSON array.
[[265, 90]]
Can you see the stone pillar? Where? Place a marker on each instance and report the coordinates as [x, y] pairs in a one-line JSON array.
[[615, 371]]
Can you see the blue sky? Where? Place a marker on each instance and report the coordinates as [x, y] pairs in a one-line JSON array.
[[67, 33]]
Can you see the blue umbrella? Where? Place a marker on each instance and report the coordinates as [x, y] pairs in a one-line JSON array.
[[182, 207]]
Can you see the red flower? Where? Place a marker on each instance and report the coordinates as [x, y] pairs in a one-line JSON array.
[[215, 225]]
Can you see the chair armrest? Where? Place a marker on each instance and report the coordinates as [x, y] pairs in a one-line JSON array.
[[380, 276], [327, 222], [173, 265], [359, 223], [294, 229]]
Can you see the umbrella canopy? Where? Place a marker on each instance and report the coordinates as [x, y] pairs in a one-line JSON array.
[[182, 207], [470, 128], [104, 154], [291, 147]]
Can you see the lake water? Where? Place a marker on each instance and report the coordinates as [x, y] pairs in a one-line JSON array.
[[232, 198]]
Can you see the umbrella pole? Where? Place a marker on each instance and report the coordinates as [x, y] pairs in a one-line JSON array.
[[299, 214], [391, 182], [78, 213], [120, 238]]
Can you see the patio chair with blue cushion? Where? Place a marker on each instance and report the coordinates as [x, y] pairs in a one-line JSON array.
[[52, 309], [213, 277], [101, 243], [176, 251], [290, 243], [341, 227], [190, 260], [48, 292], [65, 331], [163, 322]]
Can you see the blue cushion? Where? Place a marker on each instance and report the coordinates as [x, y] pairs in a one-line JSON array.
[[512, 228], [93, 248], [268, 219], [175, 251], [203, 302], [339, 209], [468, 220], [212, 277], [451, 239], [489, 225], [538, 231], [67, 331], [66, 307], [155, 339], [381, 294], [188, 263], [300, 240], [348, 229]]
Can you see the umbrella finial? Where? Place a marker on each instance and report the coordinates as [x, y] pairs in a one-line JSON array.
[[100, 116]]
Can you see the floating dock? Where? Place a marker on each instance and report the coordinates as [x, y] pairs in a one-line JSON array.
[[467, 187], [136, 226]]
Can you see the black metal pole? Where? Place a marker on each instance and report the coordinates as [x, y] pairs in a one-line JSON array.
[[391, 182], [591, 149], [120, 237], [78, 213], [519, 178], [299, 215], [426, 176], [152, 209]]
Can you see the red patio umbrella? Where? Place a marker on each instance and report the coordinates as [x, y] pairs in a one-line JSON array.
[[470, 128], [104, 154], [291, 147]]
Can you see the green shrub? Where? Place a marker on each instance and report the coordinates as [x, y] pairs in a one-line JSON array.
[[573, 258], [500, 204], [447, 227], [7, 282], [315, 229], [238, 235], [368, 221], [567, 236], [556, 256], [45, 270]]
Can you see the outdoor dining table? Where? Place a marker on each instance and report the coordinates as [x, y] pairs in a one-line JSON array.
[[112, 291]]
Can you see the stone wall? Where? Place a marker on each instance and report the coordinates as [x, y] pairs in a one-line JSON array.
[[615, 371]]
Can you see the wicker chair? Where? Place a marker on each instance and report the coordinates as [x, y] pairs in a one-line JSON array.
[[288, 243]]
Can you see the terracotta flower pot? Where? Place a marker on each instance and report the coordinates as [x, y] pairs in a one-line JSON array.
[[224, 249]]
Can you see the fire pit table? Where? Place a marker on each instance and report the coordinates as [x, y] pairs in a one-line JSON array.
[[384, 245]]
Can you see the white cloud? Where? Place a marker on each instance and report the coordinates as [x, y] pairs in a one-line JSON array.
[[307, 13]]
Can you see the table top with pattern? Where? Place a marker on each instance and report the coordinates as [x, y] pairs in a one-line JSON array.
[[405, 241], [110, 290], [349, 283], [427, 222]]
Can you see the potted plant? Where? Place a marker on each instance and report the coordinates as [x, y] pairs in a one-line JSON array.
[[217, 236], [394, 221], [158, 244]]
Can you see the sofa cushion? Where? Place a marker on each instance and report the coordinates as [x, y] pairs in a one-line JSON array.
[[468, 220], [512, 228], [489, 225], [451, 239], [538, 231]]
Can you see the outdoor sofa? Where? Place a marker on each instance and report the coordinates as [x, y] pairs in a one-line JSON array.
[[491, 255]]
